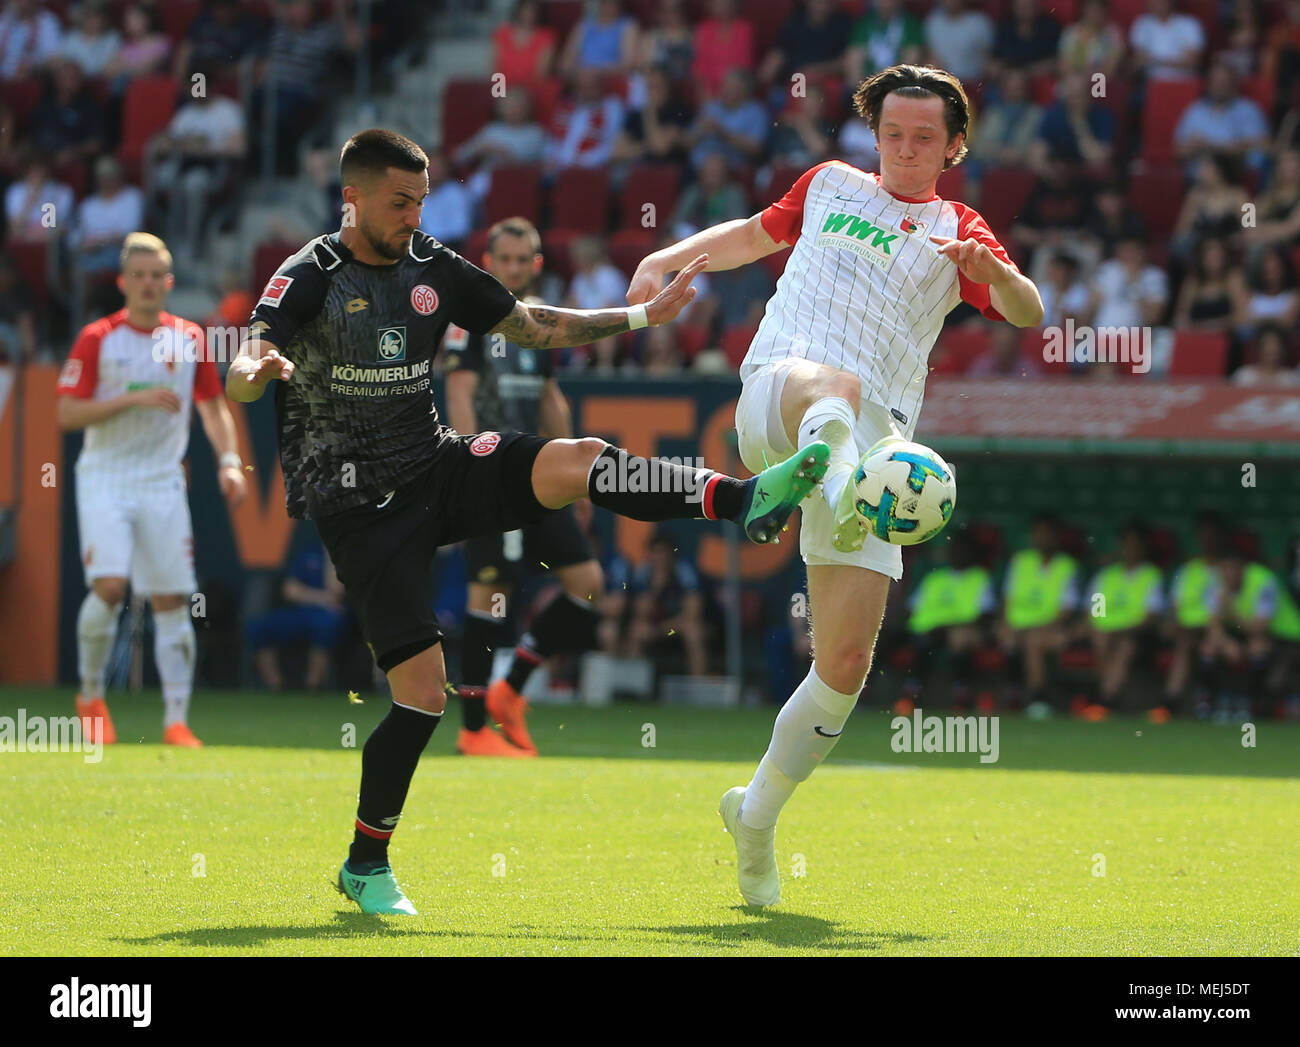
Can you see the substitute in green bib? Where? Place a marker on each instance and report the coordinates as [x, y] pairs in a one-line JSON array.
[[1039, 598], [1193, 594], [1124, 602], [1255, 619], [951, 611]]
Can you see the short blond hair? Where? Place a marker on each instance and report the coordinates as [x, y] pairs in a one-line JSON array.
[[136, 243]]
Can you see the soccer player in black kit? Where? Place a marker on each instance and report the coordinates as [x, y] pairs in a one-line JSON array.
[[495, 384], [347, 330]]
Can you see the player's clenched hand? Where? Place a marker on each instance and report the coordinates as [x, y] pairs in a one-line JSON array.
[[973, 258], [232, 484], [676, 296], [647, 281], [270, 367], [158, 396]]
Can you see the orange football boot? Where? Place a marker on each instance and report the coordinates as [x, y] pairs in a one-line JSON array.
[[180, 734], [96, 724], [506, 706], [486, 742]]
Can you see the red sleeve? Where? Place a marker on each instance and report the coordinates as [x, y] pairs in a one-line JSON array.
[[971, 226], [80, 374], [783, 219], [207, 382]]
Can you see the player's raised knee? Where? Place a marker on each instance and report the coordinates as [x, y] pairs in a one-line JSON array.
[[111, 590]]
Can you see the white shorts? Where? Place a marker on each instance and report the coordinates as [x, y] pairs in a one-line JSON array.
[[760, 432], [139, 531]]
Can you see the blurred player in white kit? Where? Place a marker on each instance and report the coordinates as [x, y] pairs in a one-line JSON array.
[[842, 356], [129, 382]]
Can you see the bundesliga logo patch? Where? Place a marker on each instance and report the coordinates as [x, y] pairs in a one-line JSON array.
[[274, 291], [424, 299], [484, 444]]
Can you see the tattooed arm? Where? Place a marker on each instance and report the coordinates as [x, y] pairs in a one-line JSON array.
[[548, 327]]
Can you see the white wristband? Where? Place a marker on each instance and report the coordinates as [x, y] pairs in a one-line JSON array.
[[636, 318], [230, 460]]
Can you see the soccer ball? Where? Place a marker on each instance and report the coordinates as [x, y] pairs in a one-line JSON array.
[[905, 492]]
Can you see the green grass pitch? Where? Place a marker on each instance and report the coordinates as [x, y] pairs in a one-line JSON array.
[[608, 846]]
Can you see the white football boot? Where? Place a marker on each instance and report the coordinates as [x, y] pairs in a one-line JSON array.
[[760, 880]]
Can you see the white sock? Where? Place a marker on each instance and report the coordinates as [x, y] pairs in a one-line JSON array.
[[96, 627], [832, 419], [173, 648], [796, 748]]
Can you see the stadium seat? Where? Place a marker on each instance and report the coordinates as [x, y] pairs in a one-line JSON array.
[[1031, 345], [767, 19], [466, 107], [562, 16], [75, 175], [514, 190], [476, 246], [779, 180], [267, 259], [735, 342], [1043, 88], [580, 199], [1202, 354], [952, 184], [545, 94], [147, 109], [177, 16], [649, 184], [774, 263], [1124, 12], [691, 338], [1165, 102], [957, 347], [1260, 89], [628, 246], [32, 262], [22, 96], [1156, 193], [555, 248], [1006, 189]]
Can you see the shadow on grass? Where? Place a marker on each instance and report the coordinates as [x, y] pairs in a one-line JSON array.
[[785, 930]]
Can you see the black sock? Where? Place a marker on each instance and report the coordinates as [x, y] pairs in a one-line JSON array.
[[564, 624], [653, 489], [483, 635], [388, 763]]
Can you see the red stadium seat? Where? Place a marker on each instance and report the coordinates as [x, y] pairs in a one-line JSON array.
[[1031, 345], [75, 175], [1124, 12], [775, 262], [767, 18], [32, 263], [515, 190], [735, 342], [649, 184], [148, 108], [628, 246], [1165, 102], [958, 347], [545, 94], [779, 180], [562, 16], [476, 247], [466, 107], [952, 184], [177, 16], [22, 97], [1260, 89], [555, 249], [1043, 88], [1156, 193], [1005, 191], [1203, 354], [267, 259], [691, 338], [580, 199]]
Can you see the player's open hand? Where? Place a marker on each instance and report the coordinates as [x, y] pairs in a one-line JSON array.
[[974, 259], [647, 281], [676, 296], [270, 367], [233, 485], [159, 397]]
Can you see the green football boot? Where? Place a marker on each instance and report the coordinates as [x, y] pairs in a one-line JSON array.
[[774, 493], [376, 892]]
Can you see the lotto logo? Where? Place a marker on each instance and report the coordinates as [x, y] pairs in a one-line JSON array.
[[484, 444], [274, 291], [424, 299]]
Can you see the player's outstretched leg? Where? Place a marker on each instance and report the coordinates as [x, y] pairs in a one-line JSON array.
[[174, 654], [655, 489]]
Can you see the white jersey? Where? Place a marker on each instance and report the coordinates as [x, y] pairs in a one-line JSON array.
[[111, 357], [864, 289]]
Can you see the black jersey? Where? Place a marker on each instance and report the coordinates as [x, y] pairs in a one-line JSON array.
[[511, 378], [357, 418]]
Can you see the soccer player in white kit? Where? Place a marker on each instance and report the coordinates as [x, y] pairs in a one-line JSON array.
[[129, 382], [841, 353]]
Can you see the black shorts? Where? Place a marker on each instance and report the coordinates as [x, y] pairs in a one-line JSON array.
[[554, 541], [384, 556]]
